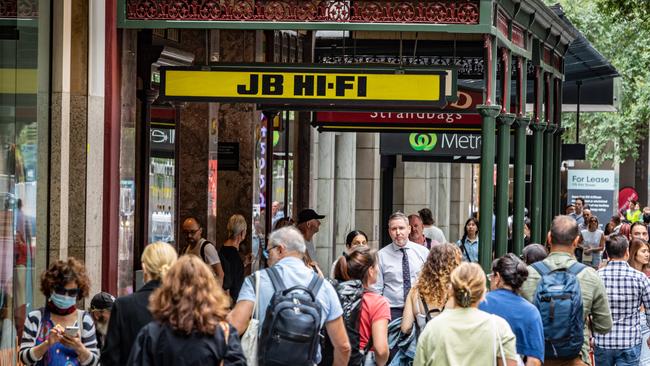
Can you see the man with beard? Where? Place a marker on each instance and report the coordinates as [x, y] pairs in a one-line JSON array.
[[100, 309], [199, 246]]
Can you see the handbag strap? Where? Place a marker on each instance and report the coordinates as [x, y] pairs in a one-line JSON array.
[[257, 277], [497, 342]]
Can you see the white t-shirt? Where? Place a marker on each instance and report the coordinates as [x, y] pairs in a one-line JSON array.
[[435, 233], [210, 252]]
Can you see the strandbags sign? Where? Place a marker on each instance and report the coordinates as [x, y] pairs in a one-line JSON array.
[[596, 187], [309, 85]]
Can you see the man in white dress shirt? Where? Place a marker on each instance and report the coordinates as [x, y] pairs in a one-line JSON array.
[[400, 263]]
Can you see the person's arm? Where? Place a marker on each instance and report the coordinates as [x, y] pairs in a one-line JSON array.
[[380, 341], [85, 342], [240, 316], [111, 352], [532, 361], [600, 314], [408, 316], [378, 287], [30, 354], [601, 245], [218, 272], [339, 337], [234, 353]]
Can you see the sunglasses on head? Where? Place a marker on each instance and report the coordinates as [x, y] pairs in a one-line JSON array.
[[67, 291]]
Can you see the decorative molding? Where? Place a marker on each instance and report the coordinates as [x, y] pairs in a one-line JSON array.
[[468, 67], [502, 24], [18, 8], [345, 11], [519, 36]]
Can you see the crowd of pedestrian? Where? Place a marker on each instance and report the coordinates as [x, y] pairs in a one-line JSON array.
[[583, 298]]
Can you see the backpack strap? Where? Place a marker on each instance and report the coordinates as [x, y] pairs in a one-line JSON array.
[[576, 268], [273, 274], [202, 250], [315, 284], [541, 267]]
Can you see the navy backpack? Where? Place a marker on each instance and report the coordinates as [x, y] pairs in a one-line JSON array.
[[559, 300]]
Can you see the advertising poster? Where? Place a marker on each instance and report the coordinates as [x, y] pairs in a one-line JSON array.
[[597, 187]]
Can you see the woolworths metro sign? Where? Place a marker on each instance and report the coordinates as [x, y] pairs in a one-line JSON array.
[[430, 144]]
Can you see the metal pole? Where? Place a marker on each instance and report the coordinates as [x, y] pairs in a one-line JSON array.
[[579, 85], [268, 173], [486, 204], [519, 199], [503, 179], [537, 182], [286, 164]]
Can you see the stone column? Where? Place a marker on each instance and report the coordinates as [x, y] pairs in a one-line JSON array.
[[325, 198], [236, 124], [460, 199], [95, 118], [367, 211], [345, 191], [443, 204], [68, 129]]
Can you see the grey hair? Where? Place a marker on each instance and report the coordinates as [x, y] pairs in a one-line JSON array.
[[399, 216], [290, 237]]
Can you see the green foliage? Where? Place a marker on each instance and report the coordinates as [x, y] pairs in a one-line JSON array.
[[619, 29]]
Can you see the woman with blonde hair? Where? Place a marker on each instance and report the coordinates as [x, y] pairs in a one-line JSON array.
[[130, 313], [463, 335], [233, 265], [189, 309], [429, 296]]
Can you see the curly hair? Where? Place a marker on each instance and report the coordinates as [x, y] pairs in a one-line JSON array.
[[189, 298], [434, 277], [62, 272]]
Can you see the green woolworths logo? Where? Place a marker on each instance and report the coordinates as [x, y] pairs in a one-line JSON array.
[[423, 141]]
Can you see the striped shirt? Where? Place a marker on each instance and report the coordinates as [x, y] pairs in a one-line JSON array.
[[627, 289], [33, 328]]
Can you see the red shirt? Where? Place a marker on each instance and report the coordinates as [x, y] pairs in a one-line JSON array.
[[373, 307]]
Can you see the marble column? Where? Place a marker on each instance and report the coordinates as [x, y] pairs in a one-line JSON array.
[[443, 204], [324, 191], [345, 189], [460, 199], [95, 157], [367, 210], [68, 129], [236, 124]]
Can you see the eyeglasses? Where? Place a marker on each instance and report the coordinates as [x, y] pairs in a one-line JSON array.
[[191, 232], [67, 291]]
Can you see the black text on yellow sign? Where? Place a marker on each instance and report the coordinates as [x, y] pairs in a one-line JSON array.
[[308, 87]]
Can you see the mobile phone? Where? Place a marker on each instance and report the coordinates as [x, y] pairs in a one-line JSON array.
[[71, 331]]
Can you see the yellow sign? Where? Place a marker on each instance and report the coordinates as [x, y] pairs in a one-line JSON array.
[[304, 88]]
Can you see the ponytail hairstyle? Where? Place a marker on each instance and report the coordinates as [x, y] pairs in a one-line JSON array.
[[468, 284], [355, 265], [512, 270], [157, 258]]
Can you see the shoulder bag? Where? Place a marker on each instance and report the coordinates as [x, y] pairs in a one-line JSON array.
[[251, 336]]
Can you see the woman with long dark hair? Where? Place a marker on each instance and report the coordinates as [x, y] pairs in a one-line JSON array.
[[354, 239], [468, 244], [508, 275]]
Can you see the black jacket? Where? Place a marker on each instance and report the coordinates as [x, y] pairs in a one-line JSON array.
[[160, 345], [128, 315]]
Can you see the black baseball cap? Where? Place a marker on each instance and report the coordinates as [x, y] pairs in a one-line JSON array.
[[102, 301], [308, 214]]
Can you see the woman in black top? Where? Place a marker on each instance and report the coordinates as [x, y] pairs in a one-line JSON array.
[[130, 313], [233, 266], [190, 326]]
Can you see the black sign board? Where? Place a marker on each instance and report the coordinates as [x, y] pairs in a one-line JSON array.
[[228, 156], [162, 142]]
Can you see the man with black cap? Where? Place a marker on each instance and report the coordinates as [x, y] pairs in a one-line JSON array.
[[308, 225], [100, 309]]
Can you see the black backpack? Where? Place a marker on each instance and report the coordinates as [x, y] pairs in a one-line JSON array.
[[291, 328], [350, 295]]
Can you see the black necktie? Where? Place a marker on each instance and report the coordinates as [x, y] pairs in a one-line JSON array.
[[406, 272]]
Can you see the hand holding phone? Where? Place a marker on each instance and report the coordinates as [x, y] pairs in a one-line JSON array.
[[71, 331]]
